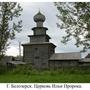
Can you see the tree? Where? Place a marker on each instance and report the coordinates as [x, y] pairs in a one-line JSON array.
[[75, 19], [8, 24]]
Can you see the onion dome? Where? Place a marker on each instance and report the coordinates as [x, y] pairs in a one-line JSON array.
[[39, 17]]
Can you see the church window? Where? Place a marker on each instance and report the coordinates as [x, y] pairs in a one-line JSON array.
[[37, 57], [36, 49], [43, 63]]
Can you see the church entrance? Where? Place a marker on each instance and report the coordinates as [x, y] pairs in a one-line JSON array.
[[37, 62]]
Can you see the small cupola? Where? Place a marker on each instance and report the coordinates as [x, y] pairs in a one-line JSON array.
[[39, 18]]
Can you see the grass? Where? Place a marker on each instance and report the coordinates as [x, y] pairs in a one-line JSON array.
[[68, 78], [63, 75]]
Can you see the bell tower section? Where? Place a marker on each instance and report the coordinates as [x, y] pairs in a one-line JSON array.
[[38, 51]]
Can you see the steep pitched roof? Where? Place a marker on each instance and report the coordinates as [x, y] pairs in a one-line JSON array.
[[16, 62], [88, 56], [6, 59], [66, 56]]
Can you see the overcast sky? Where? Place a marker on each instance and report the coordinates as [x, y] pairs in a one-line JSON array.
[[50, 11]]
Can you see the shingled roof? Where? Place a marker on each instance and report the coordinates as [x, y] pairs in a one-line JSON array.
[[88, 56], [66, 56], [6, 59], [16, 62]]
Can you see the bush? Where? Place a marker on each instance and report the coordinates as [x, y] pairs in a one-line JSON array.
[[28, 70], [22, 69], [3, 69]]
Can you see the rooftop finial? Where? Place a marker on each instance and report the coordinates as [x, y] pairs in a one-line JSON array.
[[39, 10]]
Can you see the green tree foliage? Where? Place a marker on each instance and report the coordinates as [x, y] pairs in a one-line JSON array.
[[75, 19], [8, 24]]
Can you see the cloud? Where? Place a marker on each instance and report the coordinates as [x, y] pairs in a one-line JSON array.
[[50, 11], [12, 51]]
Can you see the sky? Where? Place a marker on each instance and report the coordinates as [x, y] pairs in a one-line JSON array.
[[50, 12]]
